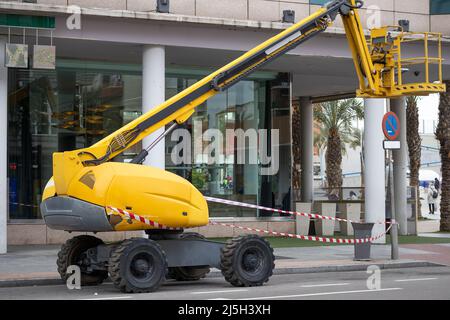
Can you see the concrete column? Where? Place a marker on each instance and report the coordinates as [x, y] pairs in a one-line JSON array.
[[307, 141], [3, 147], [400, 166], [153, 94], [374, 173]]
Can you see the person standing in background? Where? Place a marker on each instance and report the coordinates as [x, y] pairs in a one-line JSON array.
[[353, 196], [432, 196], [437, 184]]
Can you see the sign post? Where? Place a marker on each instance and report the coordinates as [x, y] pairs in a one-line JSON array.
[[391, 130]]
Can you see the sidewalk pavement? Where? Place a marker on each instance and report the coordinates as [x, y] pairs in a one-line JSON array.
[[36, 265], [435, 216], [434, 235]]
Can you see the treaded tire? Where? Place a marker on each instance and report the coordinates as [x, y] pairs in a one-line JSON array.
[[189, 273], [247, 261], [137, 265], [70, 254]]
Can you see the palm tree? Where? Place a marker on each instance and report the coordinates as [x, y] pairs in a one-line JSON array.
[[443, 135], [414, 143], [356, 138], [336, 119], [353, 139], [414, 139]]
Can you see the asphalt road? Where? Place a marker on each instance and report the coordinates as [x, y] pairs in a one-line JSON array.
[[431, 283]]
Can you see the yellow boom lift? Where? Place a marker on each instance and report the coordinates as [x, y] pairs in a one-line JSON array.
[[85, 182]]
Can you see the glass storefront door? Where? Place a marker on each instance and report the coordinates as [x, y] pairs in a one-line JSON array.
[[224, 159]]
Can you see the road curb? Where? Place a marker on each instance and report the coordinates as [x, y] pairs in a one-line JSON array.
[[279, 271], [30, 282], [362, 267], [344, 268]]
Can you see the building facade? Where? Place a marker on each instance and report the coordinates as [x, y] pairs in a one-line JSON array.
[[97, 86]]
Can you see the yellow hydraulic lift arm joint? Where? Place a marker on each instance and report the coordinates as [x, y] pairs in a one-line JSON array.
[[361, 56]]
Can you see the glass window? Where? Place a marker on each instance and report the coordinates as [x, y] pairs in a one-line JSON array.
[[212, 166], [235, 173], [276, 191], [64, 109], [81, 102], [440, 6], [319, 2]]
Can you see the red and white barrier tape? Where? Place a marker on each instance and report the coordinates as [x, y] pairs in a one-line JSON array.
[[302, 214], [140, 219], [307, 238], [280, 234]]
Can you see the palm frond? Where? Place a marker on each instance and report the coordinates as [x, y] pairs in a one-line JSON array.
[[335, 120]]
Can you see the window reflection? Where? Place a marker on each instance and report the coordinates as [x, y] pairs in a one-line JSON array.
[[61, 110], [79, 103], [248, 106], [439, 7]]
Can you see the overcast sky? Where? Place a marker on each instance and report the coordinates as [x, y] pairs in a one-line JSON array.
[[428, 114], [429, 107]]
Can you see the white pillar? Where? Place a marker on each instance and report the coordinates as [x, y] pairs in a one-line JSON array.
[[307, 154], [153, 94], [400, 164], [374, 173], [3, 147]]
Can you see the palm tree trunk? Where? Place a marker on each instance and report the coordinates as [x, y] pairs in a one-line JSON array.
[[333, 159], [443, 135], [296, 148], [414, 144], [414, 139]]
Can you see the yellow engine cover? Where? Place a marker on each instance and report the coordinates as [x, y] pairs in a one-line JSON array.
[[150, 192]]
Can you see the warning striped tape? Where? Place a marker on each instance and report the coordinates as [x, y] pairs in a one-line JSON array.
[[307, 238], [302, 214], [275, 233], [136, 217]]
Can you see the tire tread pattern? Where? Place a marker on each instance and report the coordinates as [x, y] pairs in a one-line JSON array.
[[114, 266], [67, 249], [227, 262]]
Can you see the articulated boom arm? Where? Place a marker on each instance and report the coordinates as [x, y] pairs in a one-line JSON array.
[[380, 63], [180, 107]]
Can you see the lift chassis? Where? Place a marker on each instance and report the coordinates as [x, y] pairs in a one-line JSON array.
[[141, 265], [86, 182]]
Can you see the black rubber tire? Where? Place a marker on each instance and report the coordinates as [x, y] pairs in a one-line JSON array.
[[189, 273], [247, 261], [137, 265], [70, 254]]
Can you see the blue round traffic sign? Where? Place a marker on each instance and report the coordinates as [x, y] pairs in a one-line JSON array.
[[391, 126]]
